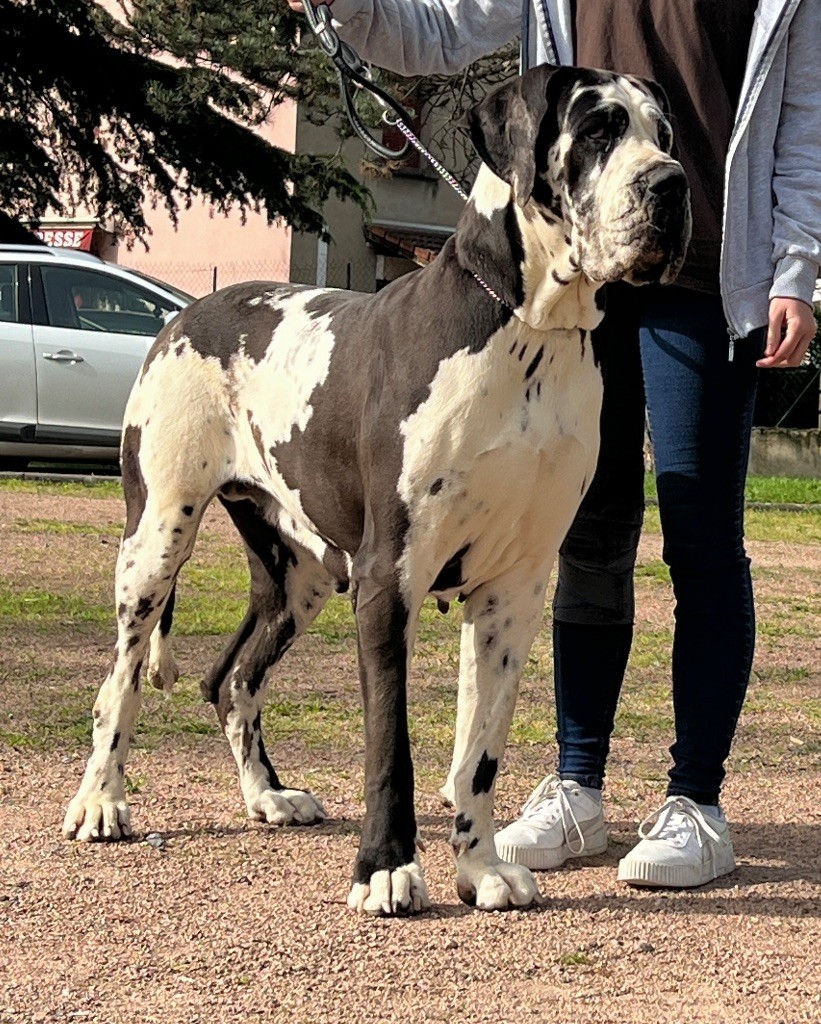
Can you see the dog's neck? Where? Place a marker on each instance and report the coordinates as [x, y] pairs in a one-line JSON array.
[[525, 258]]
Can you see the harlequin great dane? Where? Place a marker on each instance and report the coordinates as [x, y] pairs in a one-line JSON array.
[[435, 438]]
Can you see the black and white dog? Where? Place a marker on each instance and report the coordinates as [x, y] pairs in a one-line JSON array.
[[435, 438]]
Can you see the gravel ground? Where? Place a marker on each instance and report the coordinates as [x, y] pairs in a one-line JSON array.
[[207, 917], [230, 921]]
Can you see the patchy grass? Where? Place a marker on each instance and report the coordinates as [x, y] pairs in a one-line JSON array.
[[780, 490], [67, 489], [61, 528], [57, 625], [791, 527]]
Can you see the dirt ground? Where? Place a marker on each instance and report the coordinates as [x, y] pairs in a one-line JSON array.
[[205, 917]]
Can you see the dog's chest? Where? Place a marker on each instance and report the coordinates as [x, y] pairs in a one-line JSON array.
[[498, 456]]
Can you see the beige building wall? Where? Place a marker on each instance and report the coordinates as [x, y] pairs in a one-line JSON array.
[[209, 249]]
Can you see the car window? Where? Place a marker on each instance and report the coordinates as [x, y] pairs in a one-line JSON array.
[[9, 298], [91, 301]]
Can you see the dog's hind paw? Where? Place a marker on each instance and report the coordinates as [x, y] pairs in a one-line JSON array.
[[97, 819], [286, 807], [498, 886], [163, 672], [447, 794], [401, 891]]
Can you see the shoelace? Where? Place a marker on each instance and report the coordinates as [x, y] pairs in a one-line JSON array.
[[551, 791], [676, 815]]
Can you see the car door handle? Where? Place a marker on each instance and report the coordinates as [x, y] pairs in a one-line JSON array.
[[64, 356]]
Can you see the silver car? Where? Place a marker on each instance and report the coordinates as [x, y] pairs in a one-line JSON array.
[[74, 332]]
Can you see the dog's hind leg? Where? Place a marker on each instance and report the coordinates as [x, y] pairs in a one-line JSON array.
[[289, 587], [161, 527], [162, 668], [501, 618]]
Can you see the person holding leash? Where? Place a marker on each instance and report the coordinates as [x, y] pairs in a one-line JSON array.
[[744, 84]]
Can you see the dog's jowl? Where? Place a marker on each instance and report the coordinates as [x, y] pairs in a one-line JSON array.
[[436, 438]]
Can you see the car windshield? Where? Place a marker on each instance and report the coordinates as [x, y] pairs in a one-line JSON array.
[[178, 292]]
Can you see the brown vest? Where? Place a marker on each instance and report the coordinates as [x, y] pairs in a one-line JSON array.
[[696, 50]]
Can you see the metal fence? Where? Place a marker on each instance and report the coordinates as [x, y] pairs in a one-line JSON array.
[[788, 398], [201, 278]]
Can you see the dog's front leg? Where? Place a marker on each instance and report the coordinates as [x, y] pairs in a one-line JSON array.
[[500, 621], [387, 876]]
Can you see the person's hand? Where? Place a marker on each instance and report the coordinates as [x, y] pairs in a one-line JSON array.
[[792, 327], [296, 5]]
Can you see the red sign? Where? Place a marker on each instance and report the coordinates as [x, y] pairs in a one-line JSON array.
[[68, 238]]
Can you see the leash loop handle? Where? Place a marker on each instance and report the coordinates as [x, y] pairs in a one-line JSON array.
[[351, 71]]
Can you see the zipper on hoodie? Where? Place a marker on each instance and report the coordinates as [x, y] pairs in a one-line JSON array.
[[551, 39]]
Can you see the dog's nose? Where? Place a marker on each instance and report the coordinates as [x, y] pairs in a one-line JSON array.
[[666, 184]]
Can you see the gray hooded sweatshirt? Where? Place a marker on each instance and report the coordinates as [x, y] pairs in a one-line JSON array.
[[772, 185]]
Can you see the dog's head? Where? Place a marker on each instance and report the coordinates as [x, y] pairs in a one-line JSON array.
[[591, 149]]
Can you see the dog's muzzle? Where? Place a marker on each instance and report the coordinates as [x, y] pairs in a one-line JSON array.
[[663, 195]]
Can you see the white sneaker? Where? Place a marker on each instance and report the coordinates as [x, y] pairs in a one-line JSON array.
[[681, 847], [560, 820]]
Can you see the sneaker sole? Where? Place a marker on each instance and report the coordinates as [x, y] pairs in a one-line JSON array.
[[673, 876], [543, 860]]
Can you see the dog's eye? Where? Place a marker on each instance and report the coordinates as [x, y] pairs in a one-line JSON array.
[[603, 126], [665, 135]]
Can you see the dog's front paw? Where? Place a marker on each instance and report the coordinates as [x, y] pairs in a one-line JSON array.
[[97, 817], [497, 886], [401, 891], [286, 807]]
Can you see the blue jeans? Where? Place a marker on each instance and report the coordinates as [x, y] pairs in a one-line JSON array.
[[667, 347]]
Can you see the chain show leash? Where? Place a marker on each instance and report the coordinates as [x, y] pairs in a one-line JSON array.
[[352, 72]]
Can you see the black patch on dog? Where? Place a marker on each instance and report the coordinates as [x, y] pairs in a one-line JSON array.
[[534, 363], [445, 311], [334, 561], [462, 823], [493, 248], [266, 632], [222, 324], [247, 742], [389, 829], [485, 774], [188, 510], [115, 742], [167, 617], [134, 487], [450, 575]]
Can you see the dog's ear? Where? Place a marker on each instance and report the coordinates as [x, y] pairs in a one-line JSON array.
[[505, 125]]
